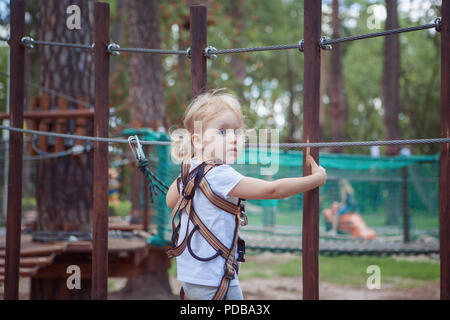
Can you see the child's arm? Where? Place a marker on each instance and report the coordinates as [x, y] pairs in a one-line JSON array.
[[253, 188], [172, 195]]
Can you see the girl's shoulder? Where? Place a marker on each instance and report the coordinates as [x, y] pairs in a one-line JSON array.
[[223, 178]]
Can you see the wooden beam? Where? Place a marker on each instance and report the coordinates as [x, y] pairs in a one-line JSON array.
[[444, 183], [198, 45], [311, 105], [82, 113], [16, 98], [101, 120]]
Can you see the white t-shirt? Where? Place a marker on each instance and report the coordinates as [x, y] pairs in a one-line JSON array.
[[222, 180]]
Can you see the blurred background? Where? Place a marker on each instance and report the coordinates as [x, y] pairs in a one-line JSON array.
[[379, 203]]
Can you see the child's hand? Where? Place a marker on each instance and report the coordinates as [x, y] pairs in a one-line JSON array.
[[317, 169]]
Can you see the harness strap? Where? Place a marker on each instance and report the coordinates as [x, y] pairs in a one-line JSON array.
[[218, 201], [230, 267], [179, 249], [185, 201], [181, 204]]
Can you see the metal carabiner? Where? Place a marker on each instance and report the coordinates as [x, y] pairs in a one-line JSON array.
[[137, 148]]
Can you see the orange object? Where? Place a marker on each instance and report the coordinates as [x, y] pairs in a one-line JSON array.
[[355, 226], [351, 223]]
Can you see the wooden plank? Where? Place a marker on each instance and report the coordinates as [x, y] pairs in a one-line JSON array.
[[311, 105], [444, 182], [53, 114], [101, 125], [198, 44], [40, 249], [16, 98], [23, 272], [58, 270], [29, 262]]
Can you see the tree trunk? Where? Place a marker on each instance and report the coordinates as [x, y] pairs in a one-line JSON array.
[[391, 66], [64, 185], [145, 93], [338, 106], [145, 102]]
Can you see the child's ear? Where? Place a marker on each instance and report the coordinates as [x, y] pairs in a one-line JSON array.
[[197, 141]]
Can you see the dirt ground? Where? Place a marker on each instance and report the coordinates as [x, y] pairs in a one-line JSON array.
[[290, 288]]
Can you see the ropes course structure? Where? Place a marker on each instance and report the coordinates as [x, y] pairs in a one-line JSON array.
[[198, 53]]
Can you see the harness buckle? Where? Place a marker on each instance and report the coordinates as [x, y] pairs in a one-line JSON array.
[[241, 250], [243, 216], [229, 270]]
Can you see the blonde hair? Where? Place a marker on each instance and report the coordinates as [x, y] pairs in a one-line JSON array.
[[345, 187], [205, 107]]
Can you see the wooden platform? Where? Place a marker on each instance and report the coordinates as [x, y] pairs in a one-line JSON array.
[[50, 260]]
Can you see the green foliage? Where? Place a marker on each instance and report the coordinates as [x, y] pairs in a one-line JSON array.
[[265, 89]]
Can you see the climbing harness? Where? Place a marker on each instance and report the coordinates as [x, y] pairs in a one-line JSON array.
[[190, 182]]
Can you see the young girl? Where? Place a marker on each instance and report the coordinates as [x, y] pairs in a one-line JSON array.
[[220, 140]]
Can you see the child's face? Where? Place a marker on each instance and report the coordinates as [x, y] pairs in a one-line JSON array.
[[223, 138]]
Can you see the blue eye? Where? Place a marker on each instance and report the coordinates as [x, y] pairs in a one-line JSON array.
[[237, 132]]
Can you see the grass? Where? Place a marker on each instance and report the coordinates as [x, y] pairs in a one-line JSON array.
[[122, 209], [342, 270]]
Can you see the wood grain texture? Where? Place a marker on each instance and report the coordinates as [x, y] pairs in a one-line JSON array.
[[311, 103], [16, 98], [101, 119]]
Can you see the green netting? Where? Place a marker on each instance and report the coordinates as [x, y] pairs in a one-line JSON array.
[[160, 166], [386, 188]]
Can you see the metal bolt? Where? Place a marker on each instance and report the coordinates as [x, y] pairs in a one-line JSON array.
[[112, 49], [209, 53], [323, 45], [28, 42]]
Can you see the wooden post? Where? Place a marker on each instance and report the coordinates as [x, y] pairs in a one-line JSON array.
[[16, 98], [444, 185], [311, 105], [406, 236], [198, 45], [101, 120]]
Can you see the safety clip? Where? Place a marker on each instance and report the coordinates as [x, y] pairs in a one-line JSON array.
[[136, 148]]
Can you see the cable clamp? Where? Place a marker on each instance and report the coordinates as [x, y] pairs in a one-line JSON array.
[[438, 23], [28, 42], [301, 45], [210, 53], [323, 43], [112, 49]]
